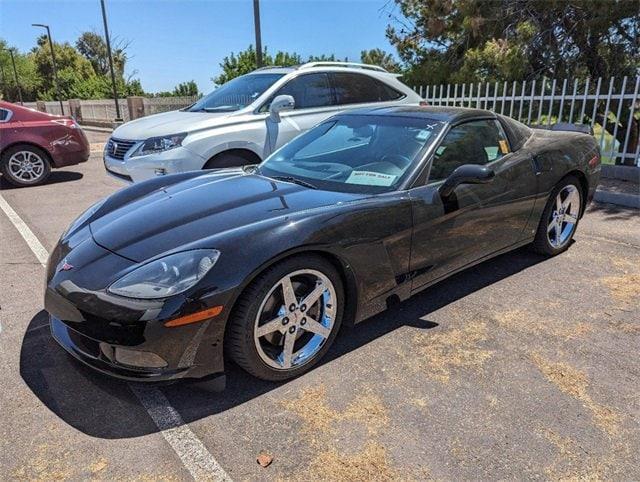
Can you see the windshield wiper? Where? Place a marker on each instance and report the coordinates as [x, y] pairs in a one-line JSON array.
[[294, 180]]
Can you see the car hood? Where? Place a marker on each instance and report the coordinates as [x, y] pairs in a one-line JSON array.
[[201, 207], [175, 122]]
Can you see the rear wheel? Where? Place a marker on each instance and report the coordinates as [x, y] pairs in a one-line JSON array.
[[25, 165], [559, 218], [287, 319]]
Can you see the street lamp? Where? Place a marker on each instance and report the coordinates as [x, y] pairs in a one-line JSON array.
[[256, 23], [4, 83], [15, 74], [113, 75], [53, 58]]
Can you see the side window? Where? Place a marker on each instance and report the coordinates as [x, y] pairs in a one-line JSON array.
[[475, 142], [5, 115], [311, 90], [357, 88]]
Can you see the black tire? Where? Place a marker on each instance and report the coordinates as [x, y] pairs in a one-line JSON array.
[[239, 341], [227, 159], [542, 243], [11, 177]]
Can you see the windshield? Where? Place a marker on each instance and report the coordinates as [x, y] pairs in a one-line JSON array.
[[235, 94], [354, 153]]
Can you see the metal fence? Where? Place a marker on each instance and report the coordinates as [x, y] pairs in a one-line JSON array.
[[611, 107]]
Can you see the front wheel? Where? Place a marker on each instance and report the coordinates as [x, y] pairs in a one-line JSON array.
[[287, 319], [559, 218]]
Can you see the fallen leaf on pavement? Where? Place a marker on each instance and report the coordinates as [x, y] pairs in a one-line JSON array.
[[264, 459]]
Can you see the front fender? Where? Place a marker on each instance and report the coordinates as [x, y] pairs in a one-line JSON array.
[[371, 240]]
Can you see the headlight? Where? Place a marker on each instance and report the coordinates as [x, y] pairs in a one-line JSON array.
[[84, 216], [166, 276], [159, 144]]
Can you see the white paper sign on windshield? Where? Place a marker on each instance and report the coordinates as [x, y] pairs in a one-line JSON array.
[[369, 178]]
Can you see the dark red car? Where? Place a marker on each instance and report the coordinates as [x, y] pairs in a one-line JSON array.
[[32, 143]]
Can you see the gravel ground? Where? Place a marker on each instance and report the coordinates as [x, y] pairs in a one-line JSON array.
[[520, 368]]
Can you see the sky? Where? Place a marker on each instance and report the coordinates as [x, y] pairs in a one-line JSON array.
[[173, 41]]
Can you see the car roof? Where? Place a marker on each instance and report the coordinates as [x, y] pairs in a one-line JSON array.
[[440, 113]]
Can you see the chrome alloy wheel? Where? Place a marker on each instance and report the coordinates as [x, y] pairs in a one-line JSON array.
[[564, 216], [26, 166], [295, 319]]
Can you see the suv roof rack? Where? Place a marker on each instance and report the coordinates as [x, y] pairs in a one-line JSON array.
[[266, 67], [357, 65]]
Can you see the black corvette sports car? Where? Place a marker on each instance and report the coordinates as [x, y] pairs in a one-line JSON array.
[[264, 263]]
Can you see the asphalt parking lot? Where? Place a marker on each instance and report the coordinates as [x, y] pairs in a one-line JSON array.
[[522, 367]]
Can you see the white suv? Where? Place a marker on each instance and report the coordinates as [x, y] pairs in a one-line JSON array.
[[246, 119]]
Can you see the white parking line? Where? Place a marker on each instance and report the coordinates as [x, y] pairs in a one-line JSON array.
[[191, 451], [33, 242], [194, 455]]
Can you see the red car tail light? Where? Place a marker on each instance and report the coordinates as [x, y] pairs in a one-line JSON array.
[[595, 160]]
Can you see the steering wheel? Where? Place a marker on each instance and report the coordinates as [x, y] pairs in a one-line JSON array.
[[402, 162]]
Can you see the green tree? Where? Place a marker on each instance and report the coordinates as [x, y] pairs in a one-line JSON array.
[[381, 58], [244, 62], [73, 70], [185, 89], [93, 47], [478, 40], [27, 75], [471, 40]]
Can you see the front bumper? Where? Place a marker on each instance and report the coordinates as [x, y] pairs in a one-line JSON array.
[[123, 337], [141, 168], [101, 356]]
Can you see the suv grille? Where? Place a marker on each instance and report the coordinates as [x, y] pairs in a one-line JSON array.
[[117, 148]]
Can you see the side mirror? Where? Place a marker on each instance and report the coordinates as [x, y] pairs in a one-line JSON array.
[[281, 103], [466, 174]]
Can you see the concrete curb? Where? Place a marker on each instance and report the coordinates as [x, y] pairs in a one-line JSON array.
[[96, 129], [618, 198]]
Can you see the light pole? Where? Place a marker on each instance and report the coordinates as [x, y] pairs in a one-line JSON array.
[[15, 74], [256, 22], [4, 82], [53, 58], [113, 75]]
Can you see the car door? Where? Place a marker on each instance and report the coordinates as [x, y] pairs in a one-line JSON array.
[[477, 220], [314, 102]]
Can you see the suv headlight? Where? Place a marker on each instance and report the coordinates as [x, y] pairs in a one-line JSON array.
[[159, 144], [166, 276]]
